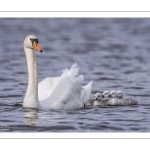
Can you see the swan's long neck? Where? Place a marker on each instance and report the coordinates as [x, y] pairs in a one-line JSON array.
[[31, 97]]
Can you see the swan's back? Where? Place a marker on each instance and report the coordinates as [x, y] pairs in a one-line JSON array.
[[64, 92], [47, 83]]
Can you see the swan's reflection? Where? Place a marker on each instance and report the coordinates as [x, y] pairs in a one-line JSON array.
[[31, 116]]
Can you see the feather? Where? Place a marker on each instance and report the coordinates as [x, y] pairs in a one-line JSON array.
[[73, 73]]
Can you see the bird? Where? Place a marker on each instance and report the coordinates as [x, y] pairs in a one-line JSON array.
[[113, 99], [62, 92], [98, 96], [119, 94], [100, 99], [118, 100], [113, 94], [106, 94]]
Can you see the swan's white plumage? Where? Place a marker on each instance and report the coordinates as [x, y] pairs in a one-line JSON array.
[[86, 92], [73, 73], [63, 92], [43, 88]]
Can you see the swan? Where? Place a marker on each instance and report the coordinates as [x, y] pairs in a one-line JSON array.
[[62, 92], [114, 100], [118, 100], [119, 94], [113, 94], [106, 94], [101, 99], [98, 97]]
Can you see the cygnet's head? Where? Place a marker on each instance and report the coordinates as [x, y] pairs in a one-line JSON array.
[[113, 94], [31, 42], [98, 96], [106, 94], [119, 94]]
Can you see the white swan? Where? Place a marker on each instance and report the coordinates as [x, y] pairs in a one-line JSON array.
[[63, 92]]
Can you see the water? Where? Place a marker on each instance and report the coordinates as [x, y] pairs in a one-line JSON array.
[[114, 52]]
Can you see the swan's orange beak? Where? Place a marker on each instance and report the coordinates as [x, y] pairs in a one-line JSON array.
[[37, 46]]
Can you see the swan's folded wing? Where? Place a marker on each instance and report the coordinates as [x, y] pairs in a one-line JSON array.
[[44, 88], [63, 95]]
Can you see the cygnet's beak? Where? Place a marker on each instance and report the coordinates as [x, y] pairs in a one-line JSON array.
[[37, 46], [96, 98]]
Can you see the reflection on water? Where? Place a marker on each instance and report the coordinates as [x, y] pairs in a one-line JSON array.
[[31, 116], [115, 53]]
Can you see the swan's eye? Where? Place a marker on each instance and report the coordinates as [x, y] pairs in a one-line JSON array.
[[34, 40]]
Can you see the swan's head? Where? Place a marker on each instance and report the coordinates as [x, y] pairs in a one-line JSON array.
[[119, 94], [113, 94], [32, 42], [106, 94], [98, 96]]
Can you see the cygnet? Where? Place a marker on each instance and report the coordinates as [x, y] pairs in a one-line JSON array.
[[118, 100], [119, 94], [100, 100], [106, 95]]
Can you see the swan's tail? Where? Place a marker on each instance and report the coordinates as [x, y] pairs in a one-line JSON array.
[[74, 77], [86, 92], [73, 73]]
